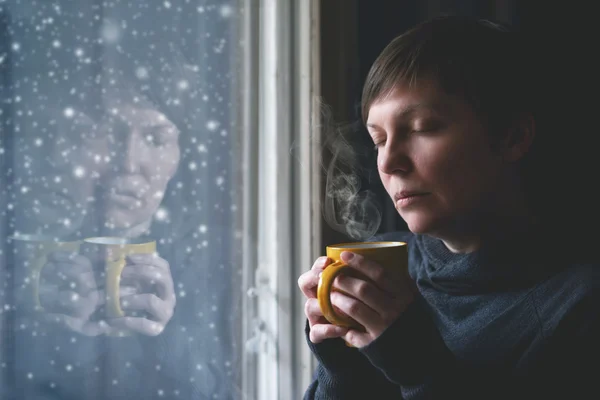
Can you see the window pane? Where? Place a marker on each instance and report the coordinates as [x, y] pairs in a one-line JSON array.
[[121, 252]]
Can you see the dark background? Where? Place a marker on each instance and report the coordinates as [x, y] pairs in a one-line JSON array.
[[354, 32]]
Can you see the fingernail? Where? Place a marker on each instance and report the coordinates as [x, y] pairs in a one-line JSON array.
[[346, 256]]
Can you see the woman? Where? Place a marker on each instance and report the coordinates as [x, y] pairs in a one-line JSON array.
[[500, 305]]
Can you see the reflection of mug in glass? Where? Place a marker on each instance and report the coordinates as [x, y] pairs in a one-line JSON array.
[[390, 255], [30, 254], [107, 255]]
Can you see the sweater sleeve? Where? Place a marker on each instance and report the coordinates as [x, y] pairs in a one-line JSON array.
[[412, 354], [343, 373]]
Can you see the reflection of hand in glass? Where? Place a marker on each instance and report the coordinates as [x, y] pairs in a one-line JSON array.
[[149, 278], [68, 293]]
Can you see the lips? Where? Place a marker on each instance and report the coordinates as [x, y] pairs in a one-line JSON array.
[[125, 200], [405, 194]]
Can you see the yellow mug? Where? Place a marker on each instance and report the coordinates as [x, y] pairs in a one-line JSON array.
[[107, 255], [31, 252], [390, 255]]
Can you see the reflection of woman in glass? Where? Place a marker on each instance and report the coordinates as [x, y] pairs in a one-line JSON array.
[[105, 165], [107, 176]]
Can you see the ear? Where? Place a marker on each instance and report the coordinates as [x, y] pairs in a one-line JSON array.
[[519, 138]]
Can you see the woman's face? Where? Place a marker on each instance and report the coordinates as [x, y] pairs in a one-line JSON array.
[[139, 152], [435, 158], [113, 168]]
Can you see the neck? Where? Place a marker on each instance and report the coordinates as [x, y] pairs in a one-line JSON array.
[[506, 220]]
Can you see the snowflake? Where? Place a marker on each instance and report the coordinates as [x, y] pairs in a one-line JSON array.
[[69, 112], [141, 73], [111, 32], [226, 11], [212, 125], [161, 214], [183, 85], [79, 172]]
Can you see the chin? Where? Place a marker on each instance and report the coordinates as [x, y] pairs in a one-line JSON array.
[[118, 220], [419, 224]]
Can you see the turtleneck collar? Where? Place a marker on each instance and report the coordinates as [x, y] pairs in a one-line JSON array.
[[515, 263]]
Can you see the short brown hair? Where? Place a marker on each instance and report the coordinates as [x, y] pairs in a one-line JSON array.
[[486, 63]]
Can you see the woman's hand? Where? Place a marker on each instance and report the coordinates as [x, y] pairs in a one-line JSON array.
[[375, 302], [68, 293], [320, 328], [147, 295]]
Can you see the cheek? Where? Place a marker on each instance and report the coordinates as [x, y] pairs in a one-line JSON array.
[[164, 163], [466, 175]]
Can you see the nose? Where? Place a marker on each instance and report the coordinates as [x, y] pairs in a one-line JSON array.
[[131, 151], [393, 158]]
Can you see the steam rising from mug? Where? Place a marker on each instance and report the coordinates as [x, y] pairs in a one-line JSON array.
[[346, 208]]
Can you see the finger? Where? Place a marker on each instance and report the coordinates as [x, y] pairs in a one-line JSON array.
[[355, 309], [313, 312], [139, 325], [308, 281], [160, 310], [371, 270], [69, 303], [148, 259], [128, 291], [151, 276], [70, 276], [364, 291], [82, 326], [321, 332], [75, 261], [320, 264]]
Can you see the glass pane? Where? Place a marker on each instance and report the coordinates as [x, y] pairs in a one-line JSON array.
[[120, 251]]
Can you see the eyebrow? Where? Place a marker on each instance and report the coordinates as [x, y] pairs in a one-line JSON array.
[[402, 112]]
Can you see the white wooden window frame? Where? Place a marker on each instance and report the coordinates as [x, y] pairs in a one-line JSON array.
[[281, 222]]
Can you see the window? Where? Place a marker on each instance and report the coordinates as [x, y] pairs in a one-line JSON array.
[[157, 197]]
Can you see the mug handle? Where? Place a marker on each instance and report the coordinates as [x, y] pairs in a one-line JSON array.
[[113, 281], [324, 296], [35, 274]]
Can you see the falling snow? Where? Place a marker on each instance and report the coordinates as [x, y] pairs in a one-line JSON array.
[[122, 115]]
